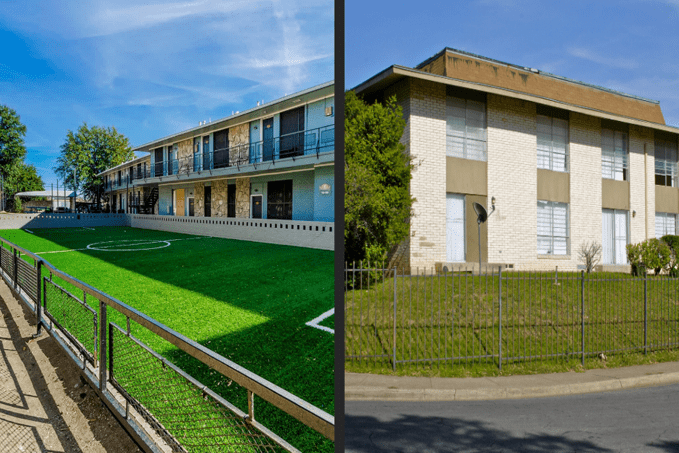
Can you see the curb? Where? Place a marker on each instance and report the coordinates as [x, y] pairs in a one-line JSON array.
[[361, 393]]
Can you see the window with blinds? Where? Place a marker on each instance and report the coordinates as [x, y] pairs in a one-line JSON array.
[[552, 228], [614, 155], [665, 163], [552, 135], [665, 223], [466, 128]]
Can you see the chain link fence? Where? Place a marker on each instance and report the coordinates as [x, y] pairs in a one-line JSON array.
[[159, 403]]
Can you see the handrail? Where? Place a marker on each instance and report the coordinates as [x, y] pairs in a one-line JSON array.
[[303, 411]]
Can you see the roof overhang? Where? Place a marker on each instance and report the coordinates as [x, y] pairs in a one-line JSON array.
[[293, 100], [394, 74], [125, 164]]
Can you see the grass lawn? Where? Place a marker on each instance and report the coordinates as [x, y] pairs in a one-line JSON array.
[[328, 322], [450, 325], [247, 301]]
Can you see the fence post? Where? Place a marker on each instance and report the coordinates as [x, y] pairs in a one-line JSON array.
[[582, 313], [102, 345], [16, 283], [394, 358], [645, 312], [38, 301], [500, 319]]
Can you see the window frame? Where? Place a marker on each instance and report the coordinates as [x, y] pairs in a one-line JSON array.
[[669, 174], [552, 227], [551, 152], [619, 161], [466, 137], [666, 215]]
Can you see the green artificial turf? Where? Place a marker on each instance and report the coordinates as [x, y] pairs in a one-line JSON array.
[[247, 301], [328, 322]]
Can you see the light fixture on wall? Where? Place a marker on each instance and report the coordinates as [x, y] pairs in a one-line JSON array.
[[324, 189], [634, 213], [492, 201]]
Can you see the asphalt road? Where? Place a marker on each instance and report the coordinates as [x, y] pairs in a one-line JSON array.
[[638, 420]]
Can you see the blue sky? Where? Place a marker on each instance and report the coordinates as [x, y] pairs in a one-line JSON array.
[[626, 45], [153, 68]]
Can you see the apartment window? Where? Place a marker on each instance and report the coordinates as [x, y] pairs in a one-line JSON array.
[[292, 133], [279, 200], [665, 223], [552, 135], [466, 128], [552, 228], [614, 236], [614, 155], [665, 163]]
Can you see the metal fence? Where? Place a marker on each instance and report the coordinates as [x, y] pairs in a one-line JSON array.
[[159, 403], [499, 317]]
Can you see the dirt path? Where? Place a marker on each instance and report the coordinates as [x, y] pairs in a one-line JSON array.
[[45, 406]]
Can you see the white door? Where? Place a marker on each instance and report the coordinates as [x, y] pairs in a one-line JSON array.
[[614, 236], [454, 228]]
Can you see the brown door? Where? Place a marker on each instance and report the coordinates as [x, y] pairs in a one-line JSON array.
[[179, 210]]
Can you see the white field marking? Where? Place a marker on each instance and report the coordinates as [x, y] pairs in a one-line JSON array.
[[111, 248], [315, 322], [29, 231], [88, 228]]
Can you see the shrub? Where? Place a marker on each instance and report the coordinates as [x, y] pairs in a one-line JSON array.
[[650, 254], [590, 254], [673, 242]]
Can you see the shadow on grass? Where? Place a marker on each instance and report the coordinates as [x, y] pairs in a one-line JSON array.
[[411, 434]]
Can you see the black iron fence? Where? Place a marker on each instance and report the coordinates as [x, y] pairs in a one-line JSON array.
[[143, 389], [499, 317]]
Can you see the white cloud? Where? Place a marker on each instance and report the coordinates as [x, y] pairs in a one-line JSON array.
[[623, 63]]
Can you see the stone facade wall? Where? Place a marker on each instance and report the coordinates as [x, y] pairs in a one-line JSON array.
[[512, 179], [239, 136], [184, 155], [199, 199], [219, 205], [243, 198]]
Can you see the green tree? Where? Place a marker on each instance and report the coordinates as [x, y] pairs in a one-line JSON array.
[[12, 133], [20, 177], [89, 151], [377, 201]]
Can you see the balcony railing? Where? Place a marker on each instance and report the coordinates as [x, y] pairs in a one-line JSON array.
[[305, 143]]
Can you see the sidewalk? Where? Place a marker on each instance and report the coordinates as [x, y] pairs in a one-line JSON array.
[[44, 405], [368, 387]]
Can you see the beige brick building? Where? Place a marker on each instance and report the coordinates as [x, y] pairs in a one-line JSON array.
[[562, 162]]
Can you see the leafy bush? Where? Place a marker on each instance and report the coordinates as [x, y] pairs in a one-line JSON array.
[[673, 242], [650, 254]]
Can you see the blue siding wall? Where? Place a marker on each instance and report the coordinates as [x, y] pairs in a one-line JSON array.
[[302, 193], [164, 200], [254, 133], [324, 204], [315, 114]]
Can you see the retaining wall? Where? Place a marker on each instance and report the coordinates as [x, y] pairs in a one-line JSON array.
[[43, 220]]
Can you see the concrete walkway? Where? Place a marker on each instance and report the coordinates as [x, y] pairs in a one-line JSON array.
[[367, 387], [44, 404]]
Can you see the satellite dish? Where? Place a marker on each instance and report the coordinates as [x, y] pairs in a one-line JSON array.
[[481, 213]]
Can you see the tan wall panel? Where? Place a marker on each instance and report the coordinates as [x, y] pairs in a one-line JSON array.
[[614, 194], [553, 186], [666, 199], [465, 67], [466, 176], [179, 194], [472, 231]]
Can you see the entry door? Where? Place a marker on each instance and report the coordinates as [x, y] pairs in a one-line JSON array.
[[179, 203], [191, 211], [256, 206], [208, 201], [614, 236], [267, 137], [455, 228]]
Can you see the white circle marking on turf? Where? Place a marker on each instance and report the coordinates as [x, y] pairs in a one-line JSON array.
[[100, 246]]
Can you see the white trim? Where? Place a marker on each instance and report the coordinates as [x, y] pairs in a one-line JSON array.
[[315, 322]]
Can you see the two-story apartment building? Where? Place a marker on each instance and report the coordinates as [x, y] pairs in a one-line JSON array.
[[273, 161], [562, 162]]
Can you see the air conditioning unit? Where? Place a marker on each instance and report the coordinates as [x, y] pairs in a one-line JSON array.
[[328, 111]]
